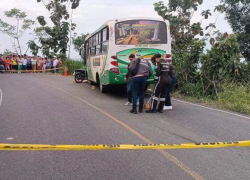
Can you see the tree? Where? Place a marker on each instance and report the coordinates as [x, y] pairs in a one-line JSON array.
[[206, 13], [33, 47], [78, 41], [55, 39], [237, 13], [7, 52], [180, 13], [18, 30], [186, 45], [222, 64]]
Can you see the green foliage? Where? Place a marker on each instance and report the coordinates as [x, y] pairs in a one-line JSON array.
[[16, 31], [180, 13], [187, 63], [33, 47], [55, 39], [78, 41], [235, 97], [7, 52], [222, 64], [206, 13], [237, 14], [72, 65]]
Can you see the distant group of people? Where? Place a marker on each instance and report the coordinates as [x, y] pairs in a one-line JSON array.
[[24, 63], [139, 71]]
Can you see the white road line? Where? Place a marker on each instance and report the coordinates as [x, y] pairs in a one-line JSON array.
[[1, 97], [218, 110]]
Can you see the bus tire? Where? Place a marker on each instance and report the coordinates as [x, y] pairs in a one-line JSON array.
[[78, 78], [103, 88]]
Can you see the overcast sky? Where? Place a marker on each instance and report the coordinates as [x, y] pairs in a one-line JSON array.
[[91, 14]]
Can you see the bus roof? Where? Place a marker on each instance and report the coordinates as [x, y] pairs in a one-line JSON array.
[[122, 19]]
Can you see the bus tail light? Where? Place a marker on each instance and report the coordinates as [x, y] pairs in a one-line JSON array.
[[114, 63], [115, 70], [114, 57], [168, 56]]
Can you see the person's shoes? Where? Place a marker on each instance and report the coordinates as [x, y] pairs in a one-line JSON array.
[[168, 107], [151, 111], [160, 111], [140, 110], [134, 111], [128, 103]]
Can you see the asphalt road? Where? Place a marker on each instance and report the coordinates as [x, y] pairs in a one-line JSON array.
[[49, 109]]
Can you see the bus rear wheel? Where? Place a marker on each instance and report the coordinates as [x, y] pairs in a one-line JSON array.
[[103, 88]]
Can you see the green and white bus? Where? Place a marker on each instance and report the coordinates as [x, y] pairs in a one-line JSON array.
[[106, 51]]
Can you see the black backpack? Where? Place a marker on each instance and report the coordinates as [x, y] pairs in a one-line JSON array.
[[134, 71]]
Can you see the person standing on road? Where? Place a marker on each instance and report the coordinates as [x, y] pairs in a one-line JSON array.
[[2, 64], [51, 64], [163, 79], [19, 64], [10, 58], [168, 104], [55, 65], [7, 64], [14, 64], [25, 63], [44, 61], [140, 70], [129, 82], [33, 62], [29, 64], [48, 65], [60, 63]]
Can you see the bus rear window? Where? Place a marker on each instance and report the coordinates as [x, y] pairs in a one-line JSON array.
[[136, 32]]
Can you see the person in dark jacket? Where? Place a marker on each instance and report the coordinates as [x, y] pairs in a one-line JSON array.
[[168, 104], [162, 78], [129, 82], [139, 81]]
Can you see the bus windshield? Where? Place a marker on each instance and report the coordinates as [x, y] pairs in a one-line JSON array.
[[136, 32]]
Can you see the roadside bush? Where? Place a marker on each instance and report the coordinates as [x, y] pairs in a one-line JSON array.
[[235, 97], [72, 65], [191, 89]]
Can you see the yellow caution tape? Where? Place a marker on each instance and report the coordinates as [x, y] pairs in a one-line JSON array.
[[45, 147], [32, 71]]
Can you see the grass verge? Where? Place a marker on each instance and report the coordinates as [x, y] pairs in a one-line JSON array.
[[234, 98]]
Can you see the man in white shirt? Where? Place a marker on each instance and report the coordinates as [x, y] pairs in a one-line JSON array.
[[55, 64], [24, 63]]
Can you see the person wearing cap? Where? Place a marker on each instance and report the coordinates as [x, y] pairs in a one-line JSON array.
[[163, 79]]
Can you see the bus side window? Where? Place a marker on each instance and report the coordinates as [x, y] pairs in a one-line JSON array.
[[104, 34], [92, 51], [105, 47], [98, 49], [105, 42]]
